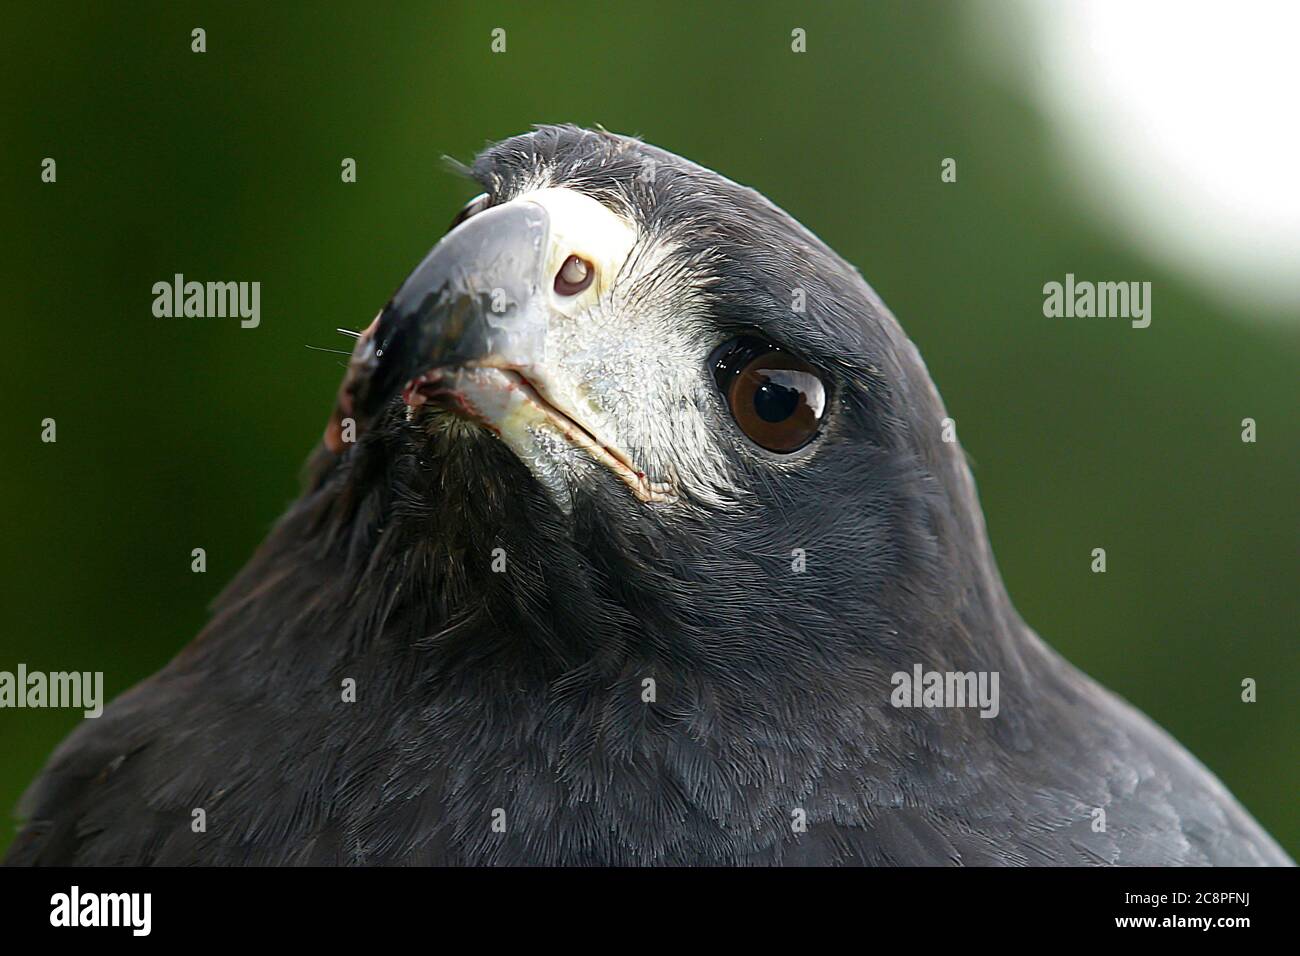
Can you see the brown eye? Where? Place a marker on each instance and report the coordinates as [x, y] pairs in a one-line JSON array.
[[574, 276], [471, 208], [776, 398]]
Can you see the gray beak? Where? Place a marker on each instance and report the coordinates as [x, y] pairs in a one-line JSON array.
[[478, 297]]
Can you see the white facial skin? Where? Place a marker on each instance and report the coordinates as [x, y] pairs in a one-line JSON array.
[[623, 361]]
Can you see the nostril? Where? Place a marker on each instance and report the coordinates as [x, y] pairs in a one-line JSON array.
[[575, 275]]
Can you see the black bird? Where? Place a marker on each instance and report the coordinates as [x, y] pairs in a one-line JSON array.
[[633, 523]]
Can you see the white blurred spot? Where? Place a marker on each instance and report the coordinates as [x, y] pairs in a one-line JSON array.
[[1179, 124]]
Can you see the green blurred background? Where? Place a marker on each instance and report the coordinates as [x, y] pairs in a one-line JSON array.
[[183, 433]]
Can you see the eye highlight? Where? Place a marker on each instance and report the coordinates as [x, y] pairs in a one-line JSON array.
[[575, 275], [776, 398]]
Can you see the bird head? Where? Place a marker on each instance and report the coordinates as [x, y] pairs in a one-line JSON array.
[[621, 362]]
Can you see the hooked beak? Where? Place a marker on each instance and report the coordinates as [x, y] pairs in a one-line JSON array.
[[466, 332], [474, 299]]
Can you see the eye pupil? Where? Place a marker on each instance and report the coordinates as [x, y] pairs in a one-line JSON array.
[[775, 403], [776, 398]]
